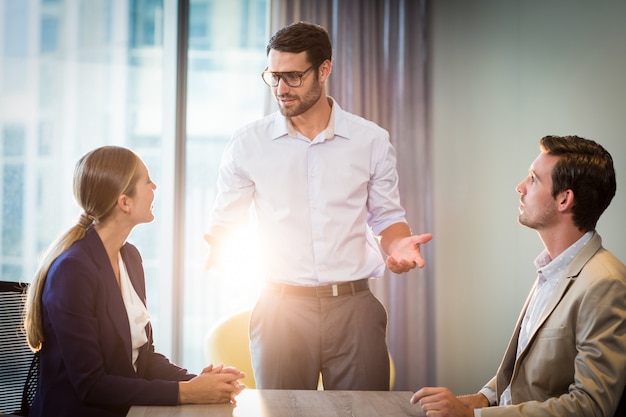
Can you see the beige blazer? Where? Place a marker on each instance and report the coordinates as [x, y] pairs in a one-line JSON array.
[[575, 361]]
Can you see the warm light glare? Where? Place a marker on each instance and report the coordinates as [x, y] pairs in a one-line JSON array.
[[238, 268]]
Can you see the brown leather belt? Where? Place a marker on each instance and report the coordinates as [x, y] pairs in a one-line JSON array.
[[332, 290]]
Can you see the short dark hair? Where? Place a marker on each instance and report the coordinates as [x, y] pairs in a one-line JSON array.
[[586, 168], [303, 37]]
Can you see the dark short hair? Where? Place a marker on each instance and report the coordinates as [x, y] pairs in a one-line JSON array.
[[586, 168], [303, 37]]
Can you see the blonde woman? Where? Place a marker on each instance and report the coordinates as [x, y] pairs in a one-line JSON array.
[[86, 311]]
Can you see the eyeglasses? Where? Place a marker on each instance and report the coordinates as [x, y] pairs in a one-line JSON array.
[[292, 79]]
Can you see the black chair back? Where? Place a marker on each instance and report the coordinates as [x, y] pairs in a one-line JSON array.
[[19, 366]]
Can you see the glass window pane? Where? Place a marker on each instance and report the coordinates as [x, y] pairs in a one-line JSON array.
[[75, 76], [78, 75], [49, 34], [12, 213], [226, 55], [14, 28]]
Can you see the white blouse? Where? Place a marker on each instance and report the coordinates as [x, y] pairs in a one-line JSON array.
[[138, 316]]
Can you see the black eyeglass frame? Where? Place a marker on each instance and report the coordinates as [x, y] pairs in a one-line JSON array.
[[277, 76]]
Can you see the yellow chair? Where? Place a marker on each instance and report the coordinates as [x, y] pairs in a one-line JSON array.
[[228, 343], [392, 373]]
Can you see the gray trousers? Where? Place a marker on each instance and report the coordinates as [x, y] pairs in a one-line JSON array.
[[294, 338]]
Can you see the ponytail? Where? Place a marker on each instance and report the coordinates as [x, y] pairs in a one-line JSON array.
[[33, 319]]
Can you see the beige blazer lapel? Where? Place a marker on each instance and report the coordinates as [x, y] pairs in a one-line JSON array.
[[557, 295], [569, 276], [506, 370]]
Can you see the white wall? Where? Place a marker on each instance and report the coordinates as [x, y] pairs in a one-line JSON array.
[[504, 74]]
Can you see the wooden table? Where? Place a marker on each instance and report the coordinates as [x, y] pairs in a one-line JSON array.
[[293, 403]]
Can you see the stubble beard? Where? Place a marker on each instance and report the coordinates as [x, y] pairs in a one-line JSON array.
[[310, 98], [539, 221]]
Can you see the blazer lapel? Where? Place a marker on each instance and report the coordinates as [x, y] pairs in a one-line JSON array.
[[507, 366], [114, 303], [557, 295], [569, 277], [135, 271]]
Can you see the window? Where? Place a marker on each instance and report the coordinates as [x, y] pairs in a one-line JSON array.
[[12, 208], [103, 72], [224, 91]]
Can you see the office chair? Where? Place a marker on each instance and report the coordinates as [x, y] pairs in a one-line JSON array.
[[228, 343], [19, 366]]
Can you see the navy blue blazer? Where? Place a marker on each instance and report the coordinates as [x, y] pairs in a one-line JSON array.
[[86, 359]]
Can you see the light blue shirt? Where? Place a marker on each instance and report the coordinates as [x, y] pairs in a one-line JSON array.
[[548, 274], [318, 203]]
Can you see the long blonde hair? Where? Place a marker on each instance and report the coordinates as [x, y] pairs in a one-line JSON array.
[[100, 177]]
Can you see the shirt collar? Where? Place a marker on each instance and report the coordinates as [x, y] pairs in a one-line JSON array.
[[336, 124], [552, 269]]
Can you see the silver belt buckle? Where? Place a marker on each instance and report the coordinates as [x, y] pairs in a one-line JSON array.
[[335, 290]]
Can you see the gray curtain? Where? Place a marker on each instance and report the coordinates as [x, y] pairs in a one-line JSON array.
[[380, 73]]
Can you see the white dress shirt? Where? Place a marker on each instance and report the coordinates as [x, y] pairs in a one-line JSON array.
[[318, 203]]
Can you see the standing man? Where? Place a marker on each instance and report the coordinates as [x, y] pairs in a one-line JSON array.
[[324, 186], [567, 355]]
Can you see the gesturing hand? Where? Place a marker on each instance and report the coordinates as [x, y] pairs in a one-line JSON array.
[[406, 254]]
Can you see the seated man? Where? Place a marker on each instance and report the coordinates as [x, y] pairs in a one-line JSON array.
[[567, 355]]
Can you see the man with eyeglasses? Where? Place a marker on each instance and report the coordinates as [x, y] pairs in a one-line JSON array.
[[323, 184]]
